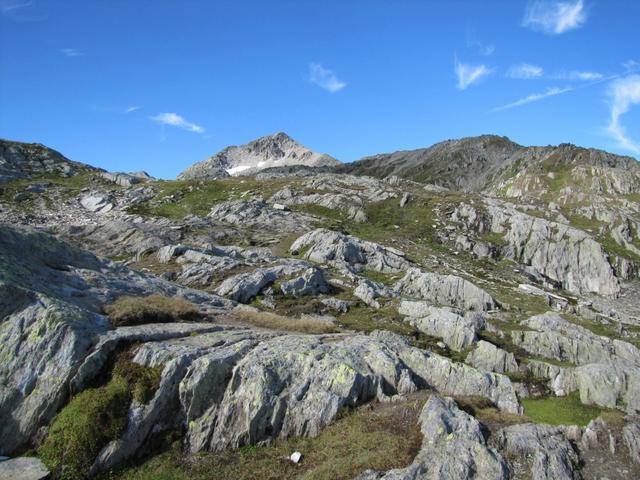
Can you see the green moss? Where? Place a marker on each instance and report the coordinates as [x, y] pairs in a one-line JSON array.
[[95, 417], [560, 410], [78, 433]]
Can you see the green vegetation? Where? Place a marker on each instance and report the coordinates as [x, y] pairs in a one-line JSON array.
[[377, 436], [95, 417], [179, 198], [78, 433], [379, 277], [560, 410], [486, 412], [66, 187], [154, 308]]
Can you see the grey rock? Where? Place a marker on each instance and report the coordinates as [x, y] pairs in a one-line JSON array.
[[326, 246], [23, 468], [453, 448], [126, 179], [444, 290], [489, 358], [311, 282], [341, 306], [405, 199], [258, 214], [553, 456], [456, 331], [96, 203], [631, 437], [369, 291]]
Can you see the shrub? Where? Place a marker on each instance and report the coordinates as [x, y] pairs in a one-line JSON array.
[[278, 322], [78, 433], [142, 381], [151, 309]]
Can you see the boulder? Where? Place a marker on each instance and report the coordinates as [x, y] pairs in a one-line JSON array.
[[489, 358], [311, 282], [329, 247], [446, 290], [96, 203]]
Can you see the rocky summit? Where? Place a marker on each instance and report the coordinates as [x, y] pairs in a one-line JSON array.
[[278, 150], [463, 311]]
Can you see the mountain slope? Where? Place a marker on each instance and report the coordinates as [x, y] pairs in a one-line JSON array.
[[26, 160], [489, 163], [277, 150]]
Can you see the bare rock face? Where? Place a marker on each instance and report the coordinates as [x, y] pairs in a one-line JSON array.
[[553, 456], [51, 295], [453, 448], [555, 251], [127, 179], [260, 215], [456, 331], [329, 247], [489, 358], [277, 150], [311, 282], [236, 387], [444, 290]]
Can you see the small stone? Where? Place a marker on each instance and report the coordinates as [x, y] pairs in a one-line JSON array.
[[295, 457], [279, 206]]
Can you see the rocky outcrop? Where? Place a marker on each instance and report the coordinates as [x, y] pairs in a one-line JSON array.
[[238, 387], [277, 150], [446, 290], [26, 160], [555, 251], [552, 455], [369, 291], [489, 358], [329, 247], [97, 203], [51, 298], [453, 448], [311, 282], [126, 179], [456, 331], [258, 214]]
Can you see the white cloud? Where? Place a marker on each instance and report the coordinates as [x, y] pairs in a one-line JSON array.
[[131, 109], [7, 6], [631, 66], [525, 71], [623, 93], [534, 97], [175, 120], [325, 78], [469, 74], [71, 52], [576, 75], [553, 17]]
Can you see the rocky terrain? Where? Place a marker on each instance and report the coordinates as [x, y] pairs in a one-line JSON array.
[[464, 311]]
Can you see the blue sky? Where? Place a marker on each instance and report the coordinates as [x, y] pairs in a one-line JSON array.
[[160, 84]]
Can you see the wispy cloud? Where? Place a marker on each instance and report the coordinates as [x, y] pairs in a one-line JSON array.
[[623, 94], [21, 11], [553, 17], [325, 78], [131, 109], [175, 120], [575, 75], [469, 74], [525, 71], [534, 97], [71, 52]]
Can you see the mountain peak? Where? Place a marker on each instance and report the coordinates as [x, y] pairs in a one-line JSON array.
[[276, 150]]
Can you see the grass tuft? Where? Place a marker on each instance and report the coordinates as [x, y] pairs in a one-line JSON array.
[[151, 309], [560, 410]]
